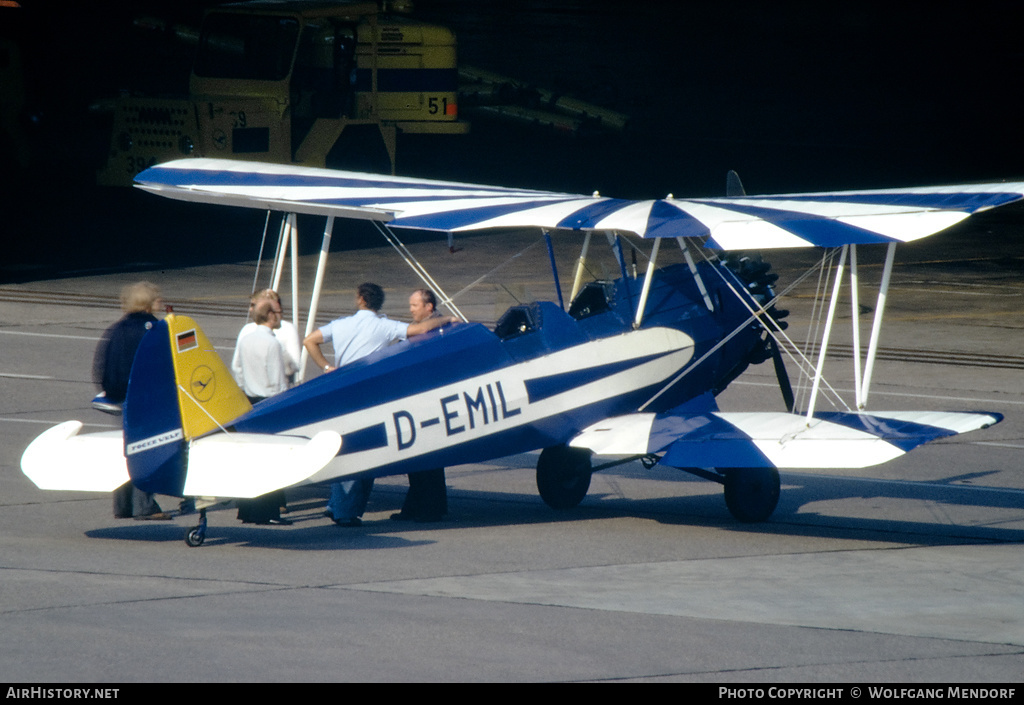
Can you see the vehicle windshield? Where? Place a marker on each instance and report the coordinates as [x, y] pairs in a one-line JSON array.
[[246, 47]]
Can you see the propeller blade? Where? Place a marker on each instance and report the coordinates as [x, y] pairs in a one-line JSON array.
[[782, 375]]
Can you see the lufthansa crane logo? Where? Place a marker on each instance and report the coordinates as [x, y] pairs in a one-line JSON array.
[[203, 383]]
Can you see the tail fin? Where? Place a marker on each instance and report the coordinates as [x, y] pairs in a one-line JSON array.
[[733, 185], [179, 389]]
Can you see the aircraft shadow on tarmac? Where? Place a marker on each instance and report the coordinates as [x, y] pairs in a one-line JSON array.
[[472, 509]]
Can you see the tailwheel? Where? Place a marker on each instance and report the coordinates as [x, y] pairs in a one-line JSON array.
[[751, 494], [197, 534], [563, 476]]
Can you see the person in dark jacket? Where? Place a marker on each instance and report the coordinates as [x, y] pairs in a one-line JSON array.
[[112, 366]]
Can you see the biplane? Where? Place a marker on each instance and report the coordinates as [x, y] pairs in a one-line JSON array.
[[624, 368]]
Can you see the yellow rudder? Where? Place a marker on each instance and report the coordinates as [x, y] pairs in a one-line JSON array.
[[207, 394]]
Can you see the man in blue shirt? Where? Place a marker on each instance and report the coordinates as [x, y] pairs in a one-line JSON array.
[[354, 337]]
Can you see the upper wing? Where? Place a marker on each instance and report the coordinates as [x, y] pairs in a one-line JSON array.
[[775, 439], [735, 223]]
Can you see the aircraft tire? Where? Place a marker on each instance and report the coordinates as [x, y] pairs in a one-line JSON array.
[[195, 537], [563, 476], [751, 494]]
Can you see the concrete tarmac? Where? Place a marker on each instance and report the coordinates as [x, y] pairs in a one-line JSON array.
[[908, 572]]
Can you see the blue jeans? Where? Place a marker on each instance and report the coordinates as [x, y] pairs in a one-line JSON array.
[[348, 499]]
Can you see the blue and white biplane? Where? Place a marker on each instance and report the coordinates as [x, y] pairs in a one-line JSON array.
[[625, 369]]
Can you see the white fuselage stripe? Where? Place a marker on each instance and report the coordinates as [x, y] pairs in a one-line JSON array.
[[498, 401]]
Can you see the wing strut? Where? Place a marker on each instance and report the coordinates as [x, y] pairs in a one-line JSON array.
[[696, 273], [651, 265], [861, 386], [580, 266], [554, 268], [314, 299], [876, 326], [616, 242], [855, 317], [289, 235], [827, 334]]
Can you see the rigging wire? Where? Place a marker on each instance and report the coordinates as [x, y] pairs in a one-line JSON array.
[[418, 268], [803, 363]]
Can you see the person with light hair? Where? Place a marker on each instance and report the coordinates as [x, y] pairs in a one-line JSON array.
[[264, 373], [285, 333], [112, 367]]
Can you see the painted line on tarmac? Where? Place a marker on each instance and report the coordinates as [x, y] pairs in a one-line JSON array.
[[78, 337], [51, 422], [49, 335], [11, 375]]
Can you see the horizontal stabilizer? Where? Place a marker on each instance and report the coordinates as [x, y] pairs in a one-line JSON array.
[[738, 222], [60, 459], [713, 439], [252, 464]]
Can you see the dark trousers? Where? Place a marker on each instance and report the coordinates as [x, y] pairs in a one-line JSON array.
[[428, 496], [260, 510], [129, 501]]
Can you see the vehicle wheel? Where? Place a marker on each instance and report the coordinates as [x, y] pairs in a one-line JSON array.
[[751, 494], [195, 537], [563, 476]]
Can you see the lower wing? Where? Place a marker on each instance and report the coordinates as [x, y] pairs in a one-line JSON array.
[[714, 439]]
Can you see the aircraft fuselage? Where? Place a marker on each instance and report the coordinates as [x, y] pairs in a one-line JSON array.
[[466, 394]]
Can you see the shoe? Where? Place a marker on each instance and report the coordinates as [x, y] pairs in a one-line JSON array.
[[353, 522], [434, 518], [401, 516], [280, 522], [329, 514], [156, 516]]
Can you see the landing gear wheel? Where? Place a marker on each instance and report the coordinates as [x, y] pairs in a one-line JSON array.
[[751, 494], [197, 534], [563, 476], [195, 537]]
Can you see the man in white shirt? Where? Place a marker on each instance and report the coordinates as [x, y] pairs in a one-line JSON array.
[[264, 373], [285, 333], [354, 337], [261, 360]]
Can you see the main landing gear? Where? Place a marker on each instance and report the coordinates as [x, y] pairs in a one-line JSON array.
[[751, 494], [563, 478]]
